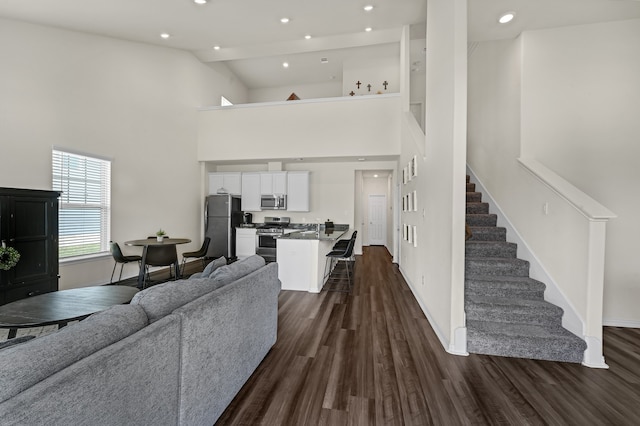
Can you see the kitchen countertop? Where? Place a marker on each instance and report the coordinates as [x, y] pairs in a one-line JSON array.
[[324, 234]]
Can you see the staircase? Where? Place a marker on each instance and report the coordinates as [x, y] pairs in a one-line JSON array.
[[506, 311]]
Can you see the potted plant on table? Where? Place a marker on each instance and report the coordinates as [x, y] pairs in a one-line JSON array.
[[160, 235]]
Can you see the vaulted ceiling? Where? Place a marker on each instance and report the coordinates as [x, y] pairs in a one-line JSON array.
[[254, 42]]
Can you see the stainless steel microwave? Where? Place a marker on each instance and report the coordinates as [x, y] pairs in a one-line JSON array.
[[273, 202]]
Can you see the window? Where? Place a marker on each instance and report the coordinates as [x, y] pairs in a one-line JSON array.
[[224, 101], [85, 203]]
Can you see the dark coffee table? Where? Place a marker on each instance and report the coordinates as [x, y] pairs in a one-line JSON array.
[[60, 307]]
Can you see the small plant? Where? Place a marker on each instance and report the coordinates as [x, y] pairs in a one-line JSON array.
[[8, 257], [160, 233]]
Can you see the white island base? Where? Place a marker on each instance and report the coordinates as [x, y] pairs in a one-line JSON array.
[[301, 263]]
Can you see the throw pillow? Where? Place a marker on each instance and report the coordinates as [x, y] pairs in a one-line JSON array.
[[212, 266], [239, 269]]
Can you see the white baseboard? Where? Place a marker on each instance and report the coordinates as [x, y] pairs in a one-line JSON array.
[[612, 322], [459, 345]]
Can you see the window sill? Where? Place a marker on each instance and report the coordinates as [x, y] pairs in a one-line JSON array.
[[85, 258]]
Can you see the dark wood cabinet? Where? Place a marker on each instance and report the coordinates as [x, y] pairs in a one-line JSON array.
[[29, 223]]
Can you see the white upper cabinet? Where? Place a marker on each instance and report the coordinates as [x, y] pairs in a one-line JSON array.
[[273, 183], [251, 192], [225, 182], [298, 195]]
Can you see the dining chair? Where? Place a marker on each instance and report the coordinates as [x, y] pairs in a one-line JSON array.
[[121, 259], [200, 254], [161, 255]]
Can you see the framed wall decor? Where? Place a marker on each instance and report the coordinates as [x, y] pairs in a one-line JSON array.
[[414, 166], [415, 201], [415, 236]]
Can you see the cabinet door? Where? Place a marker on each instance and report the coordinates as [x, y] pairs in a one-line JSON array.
[[30, 225], [245, 242], [251, 192], [216, 182], [273, 183], [279, 182], [233, 183], [266, 183], [225, 182], [298, 191]]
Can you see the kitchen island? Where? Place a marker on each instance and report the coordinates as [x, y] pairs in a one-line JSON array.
[[302, 254]]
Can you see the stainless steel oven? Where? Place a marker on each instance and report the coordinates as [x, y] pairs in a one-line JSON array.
[[266, 236]]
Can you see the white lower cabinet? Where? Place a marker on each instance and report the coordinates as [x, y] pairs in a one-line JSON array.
[[245, 242]]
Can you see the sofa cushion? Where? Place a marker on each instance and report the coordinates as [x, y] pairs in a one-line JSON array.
[[162, 299], [229, 273], [24, 365], [15, 341], [212, 266]]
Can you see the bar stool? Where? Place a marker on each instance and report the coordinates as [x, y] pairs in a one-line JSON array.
[[342, 244], [333, 275]]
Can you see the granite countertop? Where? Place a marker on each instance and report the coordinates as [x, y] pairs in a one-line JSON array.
[[310, 233]]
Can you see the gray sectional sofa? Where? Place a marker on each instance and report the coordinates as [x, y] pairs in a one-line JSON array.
[[177, 355]]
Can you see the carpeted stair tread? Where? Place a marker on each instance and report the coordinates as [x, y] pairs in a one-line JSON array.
[[488, 233], [481, 219], [496, 266], [524, 341], [477, 208], [471, 187], [517, 310], [475, 248], [503, 286], [474, 197]]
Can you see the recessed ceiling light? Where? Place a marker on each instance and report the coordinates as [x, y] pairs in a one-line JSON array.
[[165, 35], [200, 1], [375, 176], [368, 8], [216, 47], [307, 37], [368, 29], [284, 20], [361, 159], [285, 64], [506, 17]]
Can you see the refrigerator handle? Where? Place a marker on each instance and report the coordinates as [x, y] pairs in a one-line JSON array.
[[206, 215]]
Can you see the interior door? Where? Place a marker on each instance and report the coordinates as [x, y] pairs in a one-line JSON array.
[[378, 220]]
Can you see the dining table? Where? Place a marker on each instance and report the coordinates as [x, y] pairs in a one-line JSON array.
[[145, 243]]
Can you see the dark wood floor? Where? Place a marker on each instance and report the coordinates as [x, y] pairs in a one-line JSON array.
[[371, 358]]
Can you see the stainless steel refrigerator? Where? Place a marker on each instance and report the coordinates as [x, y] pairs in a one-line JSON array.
[[222, 215]]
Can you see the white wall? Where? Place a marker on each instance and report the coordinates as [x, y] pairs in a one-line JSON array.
[[580, 118], [577, 92], [134, 103], [371, 71], [304, 91], [327, 128], [435, 269]]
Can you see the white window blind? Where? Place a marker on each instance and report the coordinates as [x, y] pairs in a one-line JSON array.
[[85, 203]]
